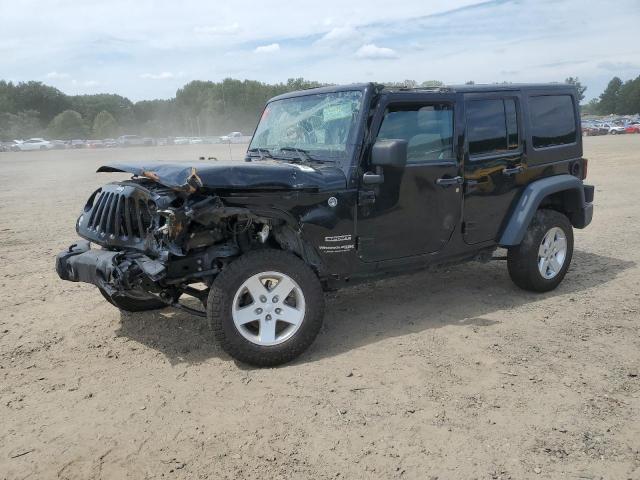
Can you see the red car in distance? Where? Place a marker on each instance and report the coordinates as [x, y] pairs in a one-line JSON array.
[[632, 128]]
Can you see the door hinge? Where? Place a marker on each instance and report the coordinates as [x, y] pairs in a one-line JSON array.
[[366, 197]]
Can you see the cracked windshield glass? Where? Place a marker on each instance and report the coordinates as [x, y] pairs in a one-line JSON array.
[[313, 127]]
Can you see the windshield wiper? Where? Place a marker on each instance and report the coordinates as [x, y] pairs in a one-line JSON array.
[[262, 153], [303, 155]]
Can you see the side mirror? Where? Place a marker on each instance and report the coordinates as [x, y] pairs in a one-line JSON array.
[[389, 153]]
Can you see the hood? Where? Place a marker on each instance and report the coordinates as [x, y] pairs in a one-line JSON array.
[[264, 174]]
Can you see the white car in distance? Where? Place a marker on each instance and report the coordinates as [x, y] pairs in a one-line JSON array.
[[32, 144], [233, 137]]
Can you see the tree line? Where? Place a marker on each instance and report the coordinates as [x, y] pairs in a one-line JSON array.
[[32, 109], [200, 108], [619, 98]]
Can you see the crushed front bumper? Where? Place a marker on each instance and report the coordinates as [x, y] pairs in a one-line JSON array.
[[79, 263], [105, 269]]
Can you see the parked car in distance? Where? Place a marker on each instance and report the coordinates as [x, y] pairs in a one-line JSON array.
[[612, 128], [195, 141], [591, 129], [633, 127], [340, 185], [110, 143], [229, 138], [181, 141], [58, 144], [95, 144], [33, 144], [130, 141], [77, 143]]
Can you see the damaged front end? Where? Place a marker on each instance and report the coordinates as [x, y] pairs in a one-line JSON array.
[[158, 241]]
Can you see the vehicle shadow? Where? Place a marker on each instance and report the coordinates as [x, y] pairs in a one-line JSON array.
[[459, 295]]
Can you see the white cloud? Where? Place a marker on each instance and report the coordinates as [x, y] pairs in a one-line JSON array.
[[218, 29], [448, 40], [338, 35], [57, 76], [371, 51], [158, 76], [271, 48]]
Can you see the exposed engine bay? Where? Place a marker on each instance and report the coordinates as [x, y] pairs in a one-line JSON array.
[[157, 241]]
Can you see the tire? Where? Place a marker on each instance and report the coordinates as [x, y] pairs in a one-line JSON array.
[[524, 260], [129, 304], [613, 132], [231, 293]]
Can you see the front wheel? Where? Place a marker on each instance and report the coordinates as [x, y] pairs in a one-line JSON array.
[[542, 259], [266, 307]]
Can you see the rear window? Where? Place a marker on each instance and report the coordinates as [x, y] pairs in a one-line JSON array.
[[553, 121], [492, 126]]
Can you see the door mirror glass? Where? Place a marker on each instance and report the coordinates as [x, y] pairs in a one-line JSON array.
[[389, 153]]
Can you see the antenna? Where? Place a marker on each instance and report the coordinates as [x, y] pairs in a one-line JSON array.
[[230, 154]]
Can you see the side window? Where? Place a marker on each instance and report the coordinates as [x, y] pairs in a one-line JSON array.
[[492, 126], [428, 130], [553, 121], [512, 123]]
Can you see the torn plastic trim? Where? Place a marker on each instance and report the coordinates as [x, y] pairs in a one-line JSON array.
[[185, 179]]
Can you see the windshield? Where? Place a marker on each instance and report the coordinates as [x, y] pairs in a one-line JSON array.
[[321, 126]]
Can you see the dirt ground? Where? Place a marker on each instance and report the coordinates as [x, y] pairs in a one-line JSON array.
[[454, 374]]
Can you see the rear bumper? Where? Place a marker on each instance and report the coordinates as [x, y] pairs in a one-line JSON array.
[[583, 217]]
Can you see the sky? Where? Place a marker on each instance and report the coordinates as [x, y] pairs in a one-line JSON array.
[[146, 49]]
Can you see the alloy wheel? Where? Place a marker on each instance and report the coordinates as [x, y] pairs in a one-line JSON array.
[[268, 308]]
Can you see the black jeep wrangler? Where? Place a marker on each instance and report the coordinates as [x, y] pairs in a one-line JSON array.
[[341, 185]]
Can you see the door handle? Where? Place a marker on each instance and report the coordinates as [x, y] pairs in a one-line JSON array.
[[513, 171], [446, 182]]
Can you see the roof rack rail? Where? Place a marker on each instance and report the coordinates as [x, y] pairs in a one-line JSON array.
[[418, 89]]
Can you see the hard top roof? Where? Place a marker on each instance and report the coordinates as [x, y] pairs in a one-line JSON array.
[[475, 88]]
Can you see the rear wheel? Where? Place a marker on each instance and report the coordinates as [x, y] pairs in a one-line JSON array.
[[266, 307], [133, 304], [542, 259]]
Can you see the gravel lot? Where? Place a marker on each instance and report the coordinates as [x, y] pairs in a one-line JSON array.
[[448, 374]]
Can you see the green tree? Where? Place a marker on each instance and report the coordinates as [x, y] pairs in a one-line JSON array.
[[46, 100], [628, 101], [591, 108], [19, 125], [104, 125], [609, 98], [68, 125], [579, 87]]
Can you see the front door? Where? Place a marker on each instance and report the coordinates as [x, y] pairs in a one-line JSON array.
[[493, 162], [416, 208]]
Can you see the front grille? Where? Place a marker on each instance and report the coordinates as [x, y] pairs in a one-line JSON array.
[[119, 216], [124, 214]]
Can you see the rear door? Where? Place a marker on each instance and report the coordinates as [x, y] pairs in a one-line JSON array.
[[493, 160], [416, 208]]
